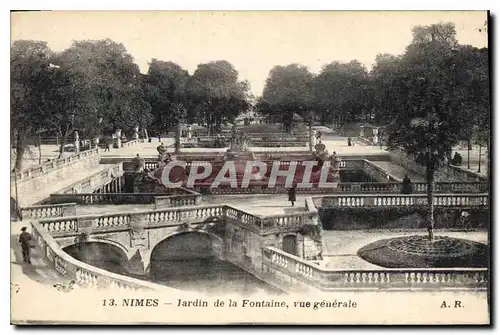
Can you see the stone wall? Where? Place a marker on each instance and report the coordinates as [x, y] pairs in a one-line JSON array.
[[36, 187], [446, 173]]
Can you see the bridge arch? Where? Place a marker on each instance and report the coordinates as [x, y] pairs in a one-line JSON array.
[[184, 253], [107, 255]]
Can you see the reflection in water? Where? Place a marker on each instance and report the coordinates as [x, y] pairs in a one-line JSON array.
[[210, 276]]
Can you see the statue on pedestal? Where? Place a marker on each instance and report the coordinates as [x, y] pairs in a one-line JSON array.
[[118, 138], [136, 133], [162, 152], [77, 142], [375, 136], [138, 163]]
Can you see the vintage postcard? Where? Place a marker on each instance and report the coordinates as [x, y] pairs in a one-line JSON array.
[[250, 167]]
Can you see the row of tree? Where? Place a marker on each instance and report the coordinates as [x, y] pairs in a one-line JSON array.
[[95, 88], [429, 98], [433, 64]]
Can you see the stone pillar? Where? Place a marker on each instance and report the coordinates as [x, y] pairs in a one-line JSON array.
[[77, 142], [189, 132], [375, 136], [136, 133], [118, 138], [300, 245], [362, 131]]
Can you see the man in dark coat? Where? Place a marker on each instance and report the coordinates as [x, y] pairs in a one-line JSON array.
[[407, 186], [24, 240], [292, 195]]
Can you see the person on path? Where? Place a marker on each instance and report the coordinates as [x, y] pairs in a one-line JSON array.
[[108, 145], [292, 193], [24, 240]]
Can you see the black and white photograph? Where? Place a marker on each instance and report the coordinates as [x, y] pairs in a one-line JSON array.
[[250, 167]]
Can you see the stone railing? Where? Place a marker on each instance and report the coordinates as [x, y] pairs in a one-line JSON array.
[[94, 181], [377, 172], [47, 211], [70, 225], [278, 263], [238, 216], [187, 198], [84, 274], [35, 171], [289, 221], [418, 187], [131, 143], [106, 198], [455, 173], [391, 200], [174, 197], [460, 173], [351, 164], [364, 140]]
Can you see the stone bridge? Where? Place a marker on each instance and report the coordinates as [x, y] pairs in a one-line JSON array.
[[280, 249], [233, 234]]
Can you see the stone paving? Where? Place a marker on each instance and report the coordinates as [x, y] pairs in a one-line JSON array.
[[262, 205]]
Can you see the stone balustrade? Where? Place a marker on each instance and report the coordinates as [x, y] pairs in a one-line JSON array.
[[38, 170], [364, 140], [449, 172], [94, 181], [83, 274], [250, 221], [290, 221], [279, 263], [178, 200], [276, 263], [131, 143], [391, 200], [418, 187], [376, 172], [174, 197], [47, 211], [106, 198], [70, 225]]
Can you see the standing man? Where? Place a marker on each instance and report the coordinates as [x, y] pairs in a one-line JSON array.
[[407, 185], [24, 240], [292, 195]]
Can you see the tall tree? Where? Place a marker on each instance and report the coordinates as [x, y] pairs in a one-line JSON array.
[[166, 87], [341, 91], [288, 91], [429, 122], [99, 89], [385, 78], [216, 95], [29, 72]]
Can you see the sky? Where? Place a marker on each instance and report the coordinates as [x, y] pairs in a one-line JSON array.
[[253, 41]]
